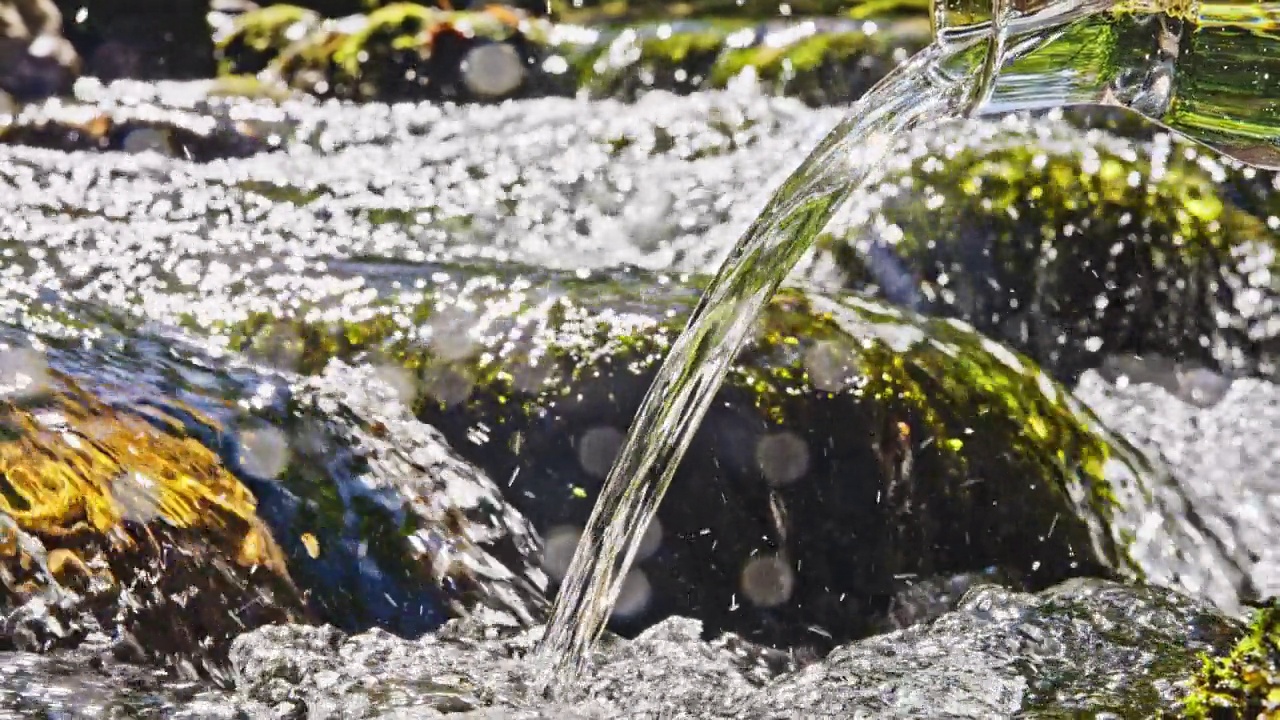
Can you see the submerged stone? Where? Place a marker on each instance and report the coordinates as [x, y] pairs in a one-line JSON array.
[[361, 506], [198, 138], [113, 520], [1073, 246], [854, 450]]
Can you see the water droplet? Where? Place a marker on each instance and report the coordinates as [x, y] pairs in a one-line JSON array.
[[137, 497], [263, 451], [828, 366], [634, 596], [492, 70], [557, 550], [401, 382], [597, 449], [767, 580], [650, 541], [23, 373], [146, 140], [783, 457]]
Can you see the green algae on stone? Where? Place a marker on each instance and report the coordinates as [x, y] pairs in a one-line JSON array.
[[1244, 683], [408, 51], [257, 37], [403, 50], [855, 440], [1072, 247], [823, 66]]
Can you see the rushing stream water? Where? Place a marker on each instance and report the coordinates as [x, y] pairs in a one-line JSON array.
[[397, 343]]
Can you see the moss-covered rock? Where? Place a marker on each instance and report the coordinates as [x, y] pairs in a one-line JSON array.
[[408, 51], [114, 520], [399, 51], [852, 446], [1244, 683], [1072, 246], [252, 40]]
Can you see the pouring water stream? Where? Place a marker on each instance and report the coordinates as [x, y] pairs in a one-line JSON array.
[[929, 88]]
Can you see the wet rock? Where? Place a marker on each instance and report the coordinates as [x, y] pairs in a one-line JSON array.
[[385, 525], [400, 51], [141, 39], [249, 42], [854, 450], [35, 60], [114, 520], [198, 138], [1072, 247], [1085, 647], [1246, 682]]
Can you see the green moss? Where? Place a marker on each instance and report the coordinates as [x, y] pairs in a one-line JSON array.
[[398, 51], [822, 68], [392, 29], [1245, 683], [259, 36], [680, 48]]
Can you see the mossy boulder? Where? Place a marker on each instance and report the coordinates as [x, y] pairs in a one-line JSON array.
[[852, 446], [1244, 683], [1072, 246], [114, 520], [399, 51]]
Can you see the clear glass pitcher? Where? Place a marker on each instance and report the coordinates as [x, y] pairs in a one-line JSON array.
[[1207, 70]]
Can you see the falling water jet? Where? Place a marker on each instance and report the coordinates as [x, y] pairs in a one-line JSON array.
[[917, 93]]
